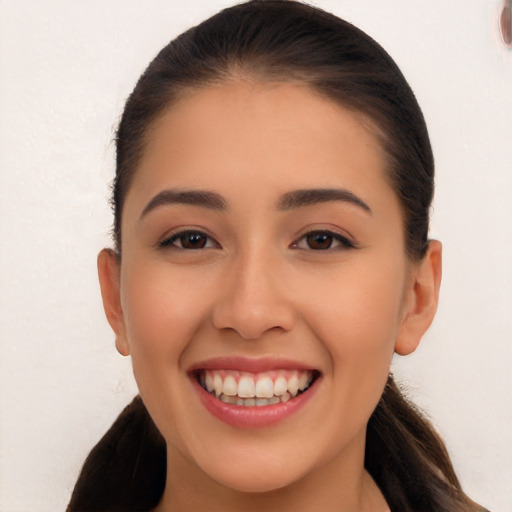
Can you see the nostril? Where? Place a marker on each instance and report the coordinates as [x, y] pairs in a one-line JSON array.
[[252, 320]]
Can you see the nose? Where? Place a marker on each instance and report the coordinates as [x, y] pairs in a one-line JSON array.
[[254, 299]]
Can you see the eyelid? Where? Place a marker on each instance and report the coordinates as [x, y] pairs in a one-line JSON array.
[[344, 240], [167, 241]]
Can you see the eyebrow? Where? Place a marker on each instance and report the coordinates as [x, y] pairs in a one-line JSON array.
[[201, 198], [307, 197], [289, 201]]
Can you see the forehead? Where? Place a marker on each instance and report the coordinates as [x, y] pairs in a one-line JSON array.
[[276, 137]]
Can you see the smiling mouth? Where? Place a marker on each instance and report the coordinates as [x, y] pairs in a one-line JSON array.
[[256, 389]]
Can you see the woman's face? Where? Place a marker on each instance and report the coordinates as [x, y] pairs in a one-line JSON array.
[[263, 253]]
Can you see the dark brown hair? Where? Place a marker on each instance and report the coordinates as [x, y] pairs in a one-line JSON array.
[[285, 41]]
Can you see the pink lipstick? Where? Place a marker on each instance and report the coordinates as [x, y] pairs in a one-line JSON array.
[[250, 393]]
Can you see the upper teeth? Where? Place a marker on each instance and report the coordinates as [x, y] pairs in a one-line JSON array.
[[278, 383]]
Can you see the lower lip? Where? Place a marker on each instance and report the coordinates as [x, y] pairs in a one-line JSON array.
[[243, 416]]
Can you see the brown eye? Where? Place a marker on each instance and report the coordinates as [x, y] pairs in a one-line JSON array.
[[322, 241], [319, 241], [193, 240], [189, 240]]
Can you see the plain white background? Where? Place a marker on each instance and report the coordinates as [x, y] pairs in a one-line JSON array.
[[66, 69]]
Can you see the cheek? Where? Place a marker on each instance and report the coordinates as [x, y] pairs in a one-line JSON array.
[[162, 311], [360, 303], [356, 316]]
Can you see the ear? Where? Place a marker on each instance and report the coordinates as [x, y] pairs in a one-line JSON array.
[[109, 271], [421, 299]]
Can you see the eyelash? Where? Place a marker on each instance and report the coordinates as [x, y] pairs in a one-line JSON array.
[[330, 237], [170, 241]]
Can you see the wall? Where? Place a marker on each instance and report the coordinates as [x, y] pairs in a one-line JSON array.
[[66, 69]]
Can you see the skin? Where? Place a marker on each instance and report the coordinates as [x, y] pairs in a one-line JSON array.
[[259, 288]]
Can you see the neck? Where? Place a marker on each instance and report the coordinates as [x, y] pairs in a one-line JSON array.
[[340, 486]]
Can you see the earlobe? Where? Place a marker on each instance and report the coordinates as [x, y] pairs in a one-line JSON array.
[[421, 301], [109, 277]]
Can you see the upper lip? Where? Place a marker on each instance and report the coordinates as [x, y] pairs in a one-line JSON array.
[[252, 365]]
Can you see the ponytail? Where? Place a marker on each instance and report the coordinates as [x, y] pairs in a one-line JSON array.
[[408, 460], [126, 470]]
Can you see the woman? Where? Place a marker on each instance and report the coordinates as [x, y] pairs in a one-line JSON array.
[[271, 201]]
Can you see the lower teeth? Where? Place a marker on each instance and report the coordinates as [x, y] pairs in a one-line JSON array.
[[251, 402]]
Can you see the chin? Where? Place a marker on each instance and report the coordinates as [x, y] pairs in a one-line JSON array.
[[262, 474], [258, 481]]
